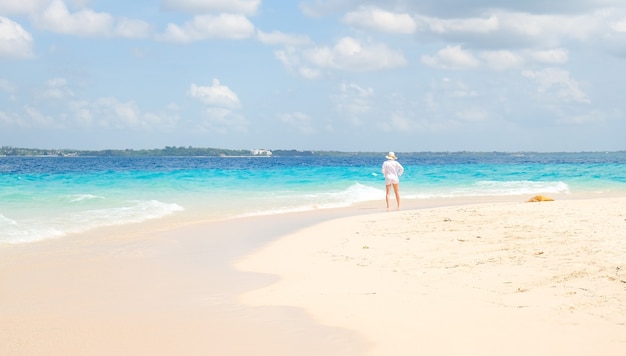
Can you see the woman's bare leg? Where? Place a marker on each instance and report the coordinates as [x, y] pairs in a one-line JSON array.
[[396, 189], [387, 189]]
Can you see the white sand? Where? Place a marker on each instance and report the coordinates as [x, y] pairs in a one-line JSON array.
[[499, 278], [510, 278], [150, 289]]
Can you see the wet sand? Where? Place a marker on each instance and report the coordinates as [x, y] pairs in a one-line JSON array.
[[153, 290], [440, 277]]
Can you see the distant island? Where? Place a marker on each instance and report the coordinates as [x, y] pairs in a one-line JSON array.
[[170, 151]]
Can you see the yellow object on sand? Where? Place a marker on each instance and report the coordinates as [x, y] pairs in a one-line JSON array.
[[537, 198]]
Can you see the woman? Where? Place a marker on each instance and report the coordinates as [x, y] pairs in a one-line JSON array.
[[392, 170]]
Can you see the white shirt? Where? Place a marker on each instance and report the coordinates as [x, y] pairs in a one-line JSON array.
[[392, 170]]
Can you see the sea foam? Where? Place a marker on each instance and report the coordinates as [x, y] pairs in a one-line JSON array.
[[42, 228], [321, 199], [494, 188]]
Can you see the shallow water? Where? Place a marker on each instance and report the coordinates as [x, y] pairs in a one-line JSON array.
[[50, 197]]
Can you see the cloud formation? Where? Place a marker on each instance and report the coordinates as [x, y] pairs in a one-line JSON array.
[[88, 23], [246, 7], [381, 20], [558, 83], [203, 27], [15, 42], [347, 54], [283, 39], [300, 122], [425, 74], [8, 7], [222, 105], [215, 95]]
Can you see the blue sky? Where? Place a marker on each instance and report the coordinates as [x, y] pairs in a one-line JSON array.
[[351, 75]]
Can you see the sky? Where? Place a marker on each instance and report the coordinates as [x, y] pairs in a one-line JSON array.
[[347, 75]]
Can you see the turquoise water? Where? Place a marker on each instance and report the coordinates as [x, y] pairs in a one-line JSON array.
[[50, 197]]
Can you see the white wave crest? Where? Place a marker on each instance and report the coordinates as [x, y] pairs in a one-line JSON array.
[[521, 187], [83, 197], [4, 221], [41, 228], [355, 193], [496, 188]]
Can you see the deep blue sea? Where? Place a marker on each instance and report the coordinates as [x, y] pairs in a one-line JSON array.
[[51, 197]]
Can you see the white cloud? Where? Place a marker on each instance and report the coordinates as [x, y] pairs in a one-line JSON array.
[[463, 25], [29, 119], [381, 20], [455, 88], [36, 119], [501, 60], [552, 56], [7, 87], [528, 29], [111, 113], [88, 23], [283, 39], [299, 121], [222, 121], [354, 101], [457, 58], [347, 54], [291, 59], [204, 27], [619, 26], [22, 6], [106, 112], [7, 119], [309, 73], [220, 114], [398, 122], [57, 18], [57, 89], [551, 27], [81, 112], [15, 42], [593, 117], [472, 115], [451, 103], [248, 7], [66, 111], [116, 114], [317, 8], [547, 48], [350, 54], [558, 83], [451, 57], [502, 27], [129, 28], [216, 95]]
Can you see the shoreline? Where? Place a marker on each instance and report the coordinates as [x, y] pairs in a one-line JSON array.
[[182, 286], [495, 278], [155, 288]]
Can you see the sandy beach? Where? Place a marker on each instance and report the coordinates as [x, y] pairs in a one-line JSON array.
[[166, 288], [504, 278], [489, 278]]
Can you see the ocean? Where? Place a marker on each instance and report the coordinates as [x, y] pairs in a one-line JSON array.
[[51, 197]]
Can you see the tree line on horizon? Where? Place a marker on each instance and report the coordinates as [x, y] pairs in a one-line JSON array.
[[169, 151], [172, 151]]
